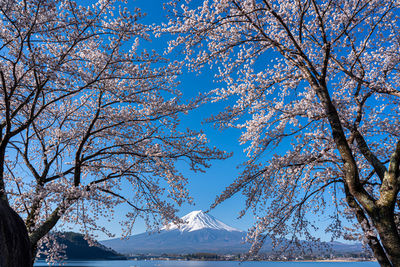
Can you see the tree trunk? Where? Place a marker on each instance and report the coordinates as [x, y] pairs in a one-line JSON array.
[[15, 250], [34, 250], [390, 240], [373, 241]]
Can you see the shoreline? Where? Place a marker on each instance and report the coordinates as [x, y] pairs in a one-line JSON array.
[[260, 260], [335, 260]]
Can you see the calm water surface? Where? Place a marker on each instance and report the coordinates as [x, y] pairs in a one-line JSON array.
[[131, 263]]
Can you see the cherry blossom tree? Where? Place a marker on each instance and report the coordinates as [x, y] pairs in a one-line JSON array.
[[89, 121], [316, 94]]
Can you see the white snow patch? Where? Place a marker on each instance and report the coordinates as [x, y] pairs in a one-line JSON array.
[[197, 220]]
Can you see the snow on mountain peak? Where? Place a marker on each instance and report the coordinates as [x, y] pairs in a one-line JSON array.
[[197, 220]]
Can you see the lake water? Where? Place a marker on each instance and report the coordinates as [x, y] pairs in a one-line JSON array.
[[132, 263]]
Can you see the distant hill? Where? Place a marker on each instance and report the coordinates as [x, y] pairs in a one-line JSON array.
[[77, 248], [200, 233]]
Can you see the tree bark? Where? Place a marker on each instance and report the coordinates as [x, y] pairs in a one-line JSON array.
[[373, 241], [390, 240], [15, 249]]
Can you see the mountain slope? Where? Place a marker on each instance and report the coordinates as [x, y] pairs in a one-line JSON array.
[[197, 220], [175, 242], [78, 248], [200, 232]]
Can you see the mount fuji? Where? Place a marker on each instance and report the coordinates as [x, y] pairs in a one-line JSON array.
[[199, 232], [198, 220]]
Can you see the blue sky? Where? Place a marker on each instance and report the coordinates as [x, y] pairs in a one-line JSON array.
[[203, 187]]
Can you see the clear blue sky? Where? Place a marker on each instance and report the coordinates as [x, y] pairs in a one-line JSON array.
[[203, 187]]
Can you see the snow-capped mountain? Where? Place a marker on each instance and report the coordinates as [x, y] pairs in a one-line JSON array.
[[197, 220], [199, 232]]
